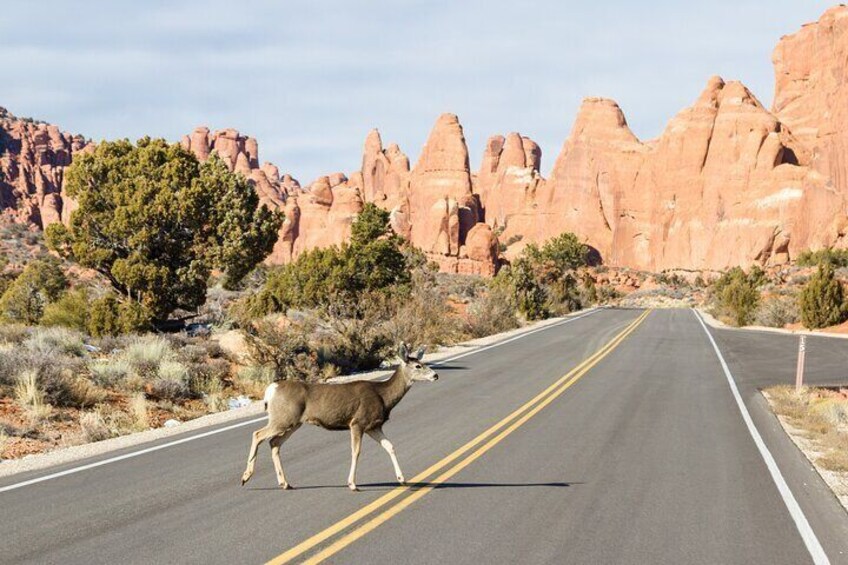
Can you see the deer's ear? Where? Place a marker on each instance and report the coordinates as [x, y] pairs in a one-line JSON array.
[[403, 352], [420, 353]]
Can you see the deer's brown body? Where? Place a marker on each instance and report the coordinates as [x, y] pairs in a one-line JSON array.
[[360, 406]]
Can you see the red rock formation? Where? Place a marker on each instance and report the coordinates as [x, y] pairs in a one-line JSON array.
[[508, 179], [33, 157], [727, 183], [811, 92], [719, 188], [433, 205]]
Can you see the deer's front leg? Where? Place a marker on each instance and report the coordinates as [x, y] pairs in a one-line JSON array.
[[355, 444]]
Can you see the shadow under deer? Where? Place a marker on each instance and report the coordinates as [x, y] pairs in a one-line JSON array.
[[360, 406]]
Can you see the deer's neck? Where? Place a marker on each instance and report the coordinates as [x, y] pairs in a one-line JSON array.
[[393, 390]]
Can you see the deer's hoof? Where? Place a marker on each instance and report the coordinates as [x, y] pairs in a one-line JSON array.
[[244, 479], [352, 487], [286, 486], [401, 480]]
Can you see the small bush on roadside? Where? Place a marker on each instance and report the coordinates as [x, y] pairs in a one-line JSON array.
[[138, 412], [461, 287], [490, 314], [562, 253], [564, 294], [822, 300], [256, 378], [737, 296], [422, 316], [776, 311], [80, 392], [93, 427], [525, 292], [355, 344], [285, 350]]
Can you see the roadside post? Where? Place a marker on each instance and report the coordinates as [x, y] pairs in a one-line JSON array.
[[802, 354]]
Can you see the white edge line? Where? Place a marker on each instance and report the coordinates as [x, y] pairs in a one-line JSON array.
[[126, 456], [132, 454], [814, 547]]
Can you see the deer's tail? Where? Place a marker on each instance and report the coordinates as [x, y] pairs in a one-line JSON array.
[[269, 394]]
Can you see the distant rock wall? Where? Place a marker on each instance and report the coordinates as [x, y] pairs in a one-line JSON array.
[[727, 183]]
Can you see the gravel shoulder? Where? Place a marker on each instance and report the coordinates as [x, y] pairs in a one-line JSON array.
[[837, 481]]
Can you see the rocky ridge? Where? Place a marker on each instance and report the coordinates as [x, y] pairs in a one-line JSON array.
[[729, 182]]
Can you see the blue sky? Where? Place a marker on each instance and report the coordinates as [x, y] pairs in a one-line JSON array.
[[309, 79]]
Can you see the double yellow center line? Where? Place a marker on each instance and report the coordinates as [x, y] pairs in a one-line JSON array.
[[488, 439]]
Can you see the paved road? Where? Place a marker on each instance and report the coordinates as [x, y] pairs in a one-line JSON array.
[[640, 456]]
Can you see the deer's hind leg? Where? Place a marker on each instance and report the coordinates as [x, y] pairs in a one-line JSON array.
[[259, 436], [277, 442], [378, 436]]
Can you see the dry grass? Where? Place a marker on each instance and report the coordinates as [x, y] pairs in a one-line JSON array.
[[138, 411], [821, 415], [30, 397], [93, 427]]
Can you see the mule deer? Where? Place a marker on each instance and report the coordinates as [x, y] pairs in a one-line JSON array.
[[360, 406]]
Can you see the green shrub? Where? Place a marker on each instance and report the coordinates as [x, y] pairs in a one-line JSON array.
[[103, 317], [523, 288], [542, 281], [822, 300], [109, 316], [737, 294], [41, 282], [836, 257], [373, 260], [562, 253], [70, 311]]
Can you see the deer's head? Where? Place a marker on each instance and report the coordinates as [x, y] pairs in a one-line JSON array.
[[414, 366]]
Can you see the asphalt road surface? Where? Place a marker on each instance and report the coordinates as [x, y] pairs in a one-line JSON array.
[[614, 438]]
